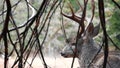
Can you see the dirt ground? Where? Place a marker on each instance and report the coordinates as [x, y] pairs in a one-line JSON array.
[[52, 62]]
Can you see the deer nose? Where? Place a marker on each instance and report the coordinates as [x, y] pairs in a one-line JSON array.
[[62, 54]]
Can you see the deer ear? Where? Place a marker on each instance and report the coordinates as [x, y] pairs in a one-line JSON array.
[[90, 29], [96, 30]]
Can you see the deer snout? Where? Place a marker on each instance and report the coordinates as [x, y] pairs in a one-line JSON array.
[[68, 51], [63, 54]]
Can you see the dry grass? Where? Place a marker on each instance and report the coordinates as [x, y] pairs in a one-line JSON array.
[[52, 62]]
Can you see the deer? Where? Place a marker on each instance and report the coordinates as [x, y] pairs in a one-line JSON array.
[[86, 49]]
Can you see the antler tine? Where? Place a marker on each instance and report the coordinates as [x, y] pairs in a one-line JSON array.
[[73, 17], [76, 19]]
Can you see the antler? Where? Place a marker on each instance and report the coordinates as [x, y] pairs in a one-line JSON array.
[[75, 18]]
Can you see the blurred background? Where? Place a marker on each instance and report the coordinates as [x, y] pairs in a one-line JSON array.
[[37, 30]]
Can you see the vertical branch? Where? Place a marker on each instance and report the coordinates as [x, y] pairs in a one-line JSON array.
[[105, 40], [62, 25], [82, 26], [93, 9], [4, 33]]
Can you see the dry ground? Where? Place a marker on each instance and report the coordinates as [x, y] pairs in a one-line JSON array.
[[52, 62]]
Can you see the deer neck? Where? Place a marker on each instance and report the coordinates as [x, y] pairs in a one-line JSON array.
[[88, 51]]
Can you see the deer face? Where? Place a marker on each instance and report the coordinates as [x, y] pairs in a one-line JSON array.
[[70, 49]]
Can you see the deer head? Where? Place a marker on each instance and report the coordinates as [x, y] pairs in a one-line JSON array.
[[82, 46], [86, 39], [85, 49]]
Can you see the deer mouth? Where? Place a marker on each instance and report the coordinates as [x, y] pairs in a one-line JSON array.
[[66, 55]]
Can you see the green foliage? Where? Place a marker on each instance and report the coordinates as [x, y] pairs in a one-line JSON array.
[[114, 26], [115, 22]]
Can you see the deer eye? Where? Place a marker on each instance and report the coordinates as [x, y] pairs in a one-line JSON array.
[[80, 41], [67, 41]]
